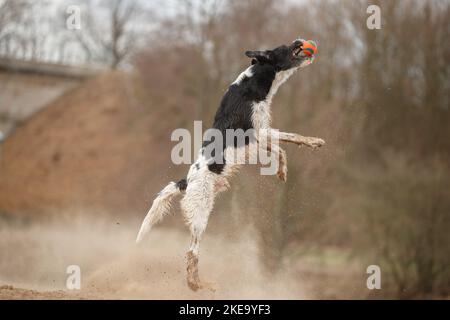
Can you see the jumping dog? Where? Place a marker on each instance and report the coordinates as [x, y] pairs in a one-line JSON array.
[[245, 105]]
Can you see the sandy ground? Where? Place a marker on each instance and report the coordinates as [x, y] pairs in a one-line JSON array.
[[34, 259]]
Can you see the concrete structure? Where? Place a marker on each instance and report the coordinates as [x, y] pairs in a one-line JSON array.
[[27, 86]]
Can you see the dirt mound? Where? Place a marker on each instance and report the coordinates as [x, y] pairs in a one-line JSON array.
[[97, 146]]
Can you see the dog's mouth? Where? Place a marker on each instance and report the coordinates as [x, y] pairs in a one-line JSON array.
[[296, 52]]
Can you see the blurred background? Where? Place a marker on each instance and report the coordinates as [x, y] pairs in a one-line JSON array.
[[86, 116]]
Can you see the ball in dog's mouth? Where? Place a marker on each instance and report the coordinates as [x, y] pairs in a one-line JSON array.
[[309, 47]]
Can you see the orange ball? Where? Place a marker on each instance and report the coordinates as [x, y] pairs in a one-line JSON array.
[[309, 47]]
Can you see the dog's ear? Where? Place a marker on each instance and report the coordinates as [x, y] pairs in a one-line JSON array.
[[261, 56]]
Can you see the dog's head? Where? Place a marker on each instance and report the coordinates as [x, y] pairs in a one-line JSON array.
[[284, 57]]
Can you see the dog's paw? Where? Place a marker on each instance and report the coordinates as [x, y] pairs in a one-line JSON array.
[[193, 284], [313, 142], [196, 285], [282, 173]]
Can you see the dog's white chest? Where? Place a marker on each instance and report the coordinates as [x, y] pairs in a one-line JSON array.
[[261, 116]]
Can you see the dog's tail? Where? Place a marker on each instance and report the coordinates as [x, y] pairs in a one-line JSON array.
[[161, 206]]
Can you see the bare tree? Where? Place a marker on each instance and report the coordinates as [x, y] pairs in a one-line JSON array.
[[12, 13], [110, 35]]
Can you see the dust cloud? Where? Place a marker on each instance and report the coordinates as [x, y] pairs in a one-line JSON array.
[[34, 257]]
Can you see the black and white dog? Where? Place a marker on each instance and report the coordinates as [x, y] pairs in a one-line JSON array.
[[245, 105]]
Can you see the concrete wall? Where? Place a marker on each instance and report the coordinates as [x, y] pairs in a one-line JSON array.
[[27, 87]]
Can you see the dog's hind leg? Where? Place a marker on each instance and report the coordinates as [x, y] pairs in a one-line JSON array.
[[197, 205]]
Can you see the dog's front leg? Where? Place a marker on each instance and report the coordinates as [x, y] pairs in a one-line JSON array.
[[269, 142], [282, 160], [299, 140]]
